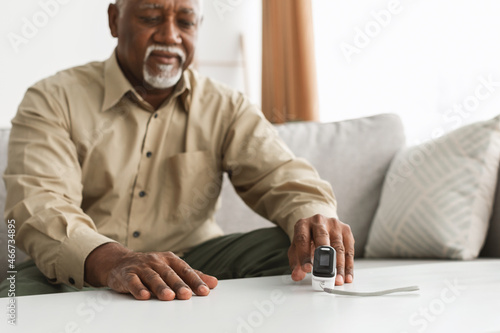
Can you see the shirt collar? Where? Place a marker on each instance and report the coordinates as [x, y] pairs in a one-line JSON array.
[[116, 86]]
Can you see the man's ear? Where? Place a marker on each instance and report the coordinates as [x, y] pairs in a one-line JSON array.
[[113, 15]]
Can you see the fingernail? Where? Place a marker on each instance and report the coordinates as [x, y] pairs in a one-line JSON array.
[[203, 290], [339, 280], [349, 278], [308, 267], [185, 290]]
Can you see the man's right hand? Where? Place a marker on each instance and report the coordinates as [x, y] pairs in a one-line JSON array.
[[142, 274]]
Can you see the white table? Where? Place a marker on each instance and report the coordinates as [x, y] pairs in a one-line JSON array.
[[454, 297]]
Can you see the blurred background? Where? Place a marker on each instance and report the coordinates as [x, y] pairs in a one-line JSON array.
[[436, 63]]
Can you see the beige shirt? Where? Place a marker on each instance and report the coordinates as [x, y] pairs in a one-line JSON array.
[[91, 162]]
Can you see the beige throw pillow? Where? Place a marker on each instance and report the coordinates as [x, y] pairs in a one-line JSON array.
[[437, 197]]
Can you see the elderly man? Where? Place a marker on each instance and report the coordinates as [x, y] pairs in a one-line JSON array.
[[108, 162]]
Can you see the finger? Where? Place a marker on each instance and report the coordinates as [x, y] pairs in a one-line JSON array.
[[337, 243], [297, 273], [302, 242], [157, 285], [190, 277], [211, 281], [320, 232], [174, 281], [349, 254], [134, 285]]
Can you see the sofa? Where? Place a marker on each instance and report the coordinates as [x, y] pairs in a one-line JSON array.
[[355, 156]]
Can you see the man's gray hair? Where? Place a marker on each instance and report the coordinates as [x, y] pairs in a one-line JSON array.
[[120, 3]]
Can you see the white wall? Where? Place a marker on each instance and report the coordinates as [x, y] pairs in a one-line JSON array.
[[75, 32], [223, 22], [429, 58]]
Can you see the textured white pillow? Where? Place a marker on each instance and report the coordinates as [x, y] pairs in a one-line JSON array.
[[437, 197]]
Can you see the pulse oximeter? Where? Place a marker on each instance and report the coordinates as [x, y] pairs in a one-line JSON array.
[[324, 268]]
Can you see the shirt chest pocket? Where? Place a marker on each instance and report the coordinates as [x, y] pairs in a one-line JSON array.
[[191, 187]]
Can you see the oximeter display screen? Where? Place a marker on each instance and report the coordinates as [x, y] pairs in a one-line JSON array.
[[324, 259], [324, 262]]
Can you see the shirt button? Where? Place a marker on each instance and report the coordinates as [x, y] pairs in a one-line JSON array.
[[142, 194], [71, 280], [136, 234], [149, 154]]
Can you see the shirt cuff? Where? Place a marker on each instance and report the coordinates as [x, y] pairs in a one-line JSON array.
[[70, 266], [305, 212]]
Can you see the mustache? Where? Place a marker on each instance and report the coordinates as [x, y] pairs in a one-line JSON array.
[[167, 49]]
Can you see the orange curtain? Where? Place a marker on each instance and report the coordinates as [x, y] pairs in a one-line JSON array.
[[289, 86]]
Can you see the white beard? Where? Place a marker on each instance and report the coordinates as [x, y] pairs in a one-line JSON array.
[[168, 75]]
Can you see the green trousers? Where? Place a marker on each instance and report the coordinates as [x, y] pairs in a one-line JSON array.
[[261, 252]]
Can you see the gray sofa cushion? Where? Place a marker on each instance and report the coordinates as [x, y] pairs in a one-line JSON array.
[[353, 155], [491, 246]]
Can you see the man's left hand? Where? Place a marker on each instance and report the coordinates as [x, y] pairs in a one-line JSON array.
[[309, 233]]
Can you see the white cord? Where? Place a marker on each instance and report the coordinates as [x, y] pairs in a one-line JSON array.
[[373, 293]]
